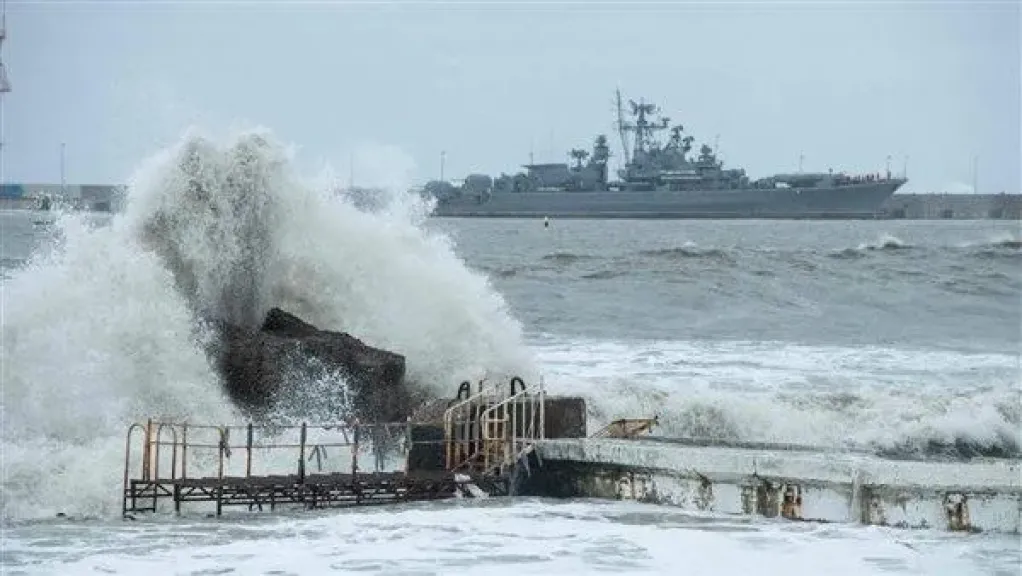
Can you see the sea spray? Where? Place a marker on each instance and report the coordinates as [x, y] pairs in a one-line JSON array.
[[106, 328], [94, 337], [245, 234]]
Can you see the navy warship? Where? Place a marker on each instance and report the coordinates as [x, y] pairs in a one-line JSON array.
[[659, 180]]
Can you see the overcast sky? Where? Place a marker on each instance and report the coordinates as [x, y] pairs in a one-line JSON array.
[[394, 83]]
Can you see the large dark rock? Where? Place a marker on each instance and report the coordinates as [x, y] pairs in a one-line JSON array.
[[286, 362]]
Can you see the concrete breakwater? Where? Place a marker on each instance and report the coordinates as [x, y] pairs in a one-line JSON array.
[[513, 440], [795, 483]]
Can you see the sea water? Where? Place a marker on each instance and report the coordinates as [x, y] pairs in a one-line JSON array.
[[899, 337]]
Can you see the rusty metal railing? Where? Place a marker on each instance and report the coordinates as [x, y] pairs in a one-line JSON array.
[[488, 430], [283, 449], [512, 426], [462, 435]]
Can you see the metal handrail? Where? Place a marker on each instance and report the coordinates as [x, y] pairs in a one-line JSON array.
[[483, 392], [525, 434], [153, 438], [127, 458], [156, 453], [454, 445]]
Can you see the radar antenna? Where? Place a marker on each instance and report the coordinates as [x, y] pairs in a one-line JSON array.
[[579, 156], [643, 127]]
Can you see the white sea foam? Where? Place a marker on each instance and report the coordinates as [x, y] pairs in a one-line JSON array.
[[102, 330], [503, 538], [899, 401]]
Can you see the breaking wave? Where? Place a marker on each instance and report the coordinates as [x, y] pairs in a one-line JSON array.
[[760, 341], [897, 404], [886, 243], [104, 328], [565, 258], [688, 250], [243, 234]]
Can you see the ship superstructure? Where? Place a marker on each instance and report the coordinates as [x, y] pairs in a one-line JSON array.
[[662, 179]]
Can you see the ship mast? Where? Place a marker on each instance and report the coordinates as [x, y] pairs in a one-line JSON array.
[[5, 84], [642, 127], [622, 127]]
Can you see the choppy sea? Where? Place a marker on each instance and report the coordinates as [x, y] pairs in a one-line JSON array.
[[897, 336]]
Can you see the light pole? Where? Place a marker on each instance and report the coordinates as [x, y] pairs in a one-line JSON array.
[[5, 85]]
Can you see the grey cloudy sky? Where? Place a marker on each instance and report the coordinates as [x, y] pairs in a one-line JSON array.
[[394, 83]]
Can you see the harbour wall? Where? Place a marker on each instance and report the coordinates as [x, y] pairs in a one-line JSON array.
[[784, 481], [953, 207], [108, 198]]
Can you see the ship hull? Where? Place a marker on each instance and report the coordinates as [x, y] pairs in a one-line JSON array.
[[857, 201]]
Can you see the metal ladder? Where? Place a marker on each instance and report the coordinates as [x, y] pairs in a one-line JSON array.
[[487, 432]]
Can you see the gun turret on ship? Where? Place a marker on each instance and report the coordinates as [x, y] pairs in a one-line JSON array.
[[659, 180]]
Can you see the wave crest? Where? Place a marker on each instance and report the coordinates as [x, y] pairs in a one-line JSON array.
[[108, 327]]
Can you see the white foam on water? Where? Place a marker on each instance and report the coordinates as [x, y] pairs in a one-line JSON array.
[[873, 398], [103, 329], [501, 538]]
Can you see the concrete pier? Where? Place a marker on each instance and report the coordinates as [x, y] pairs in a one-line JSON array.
[[509, 438], [797, 483]]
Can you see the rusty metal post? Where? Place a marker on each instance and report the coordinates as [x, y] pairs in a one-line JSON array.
[[301, 455], [516, 413], [248, 452], [354, 451], [184, 451], [408, 443], [147, 449], [156, 453], [542, 409], [173, 454], [477, 428], [448, 439], [127, 465]]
